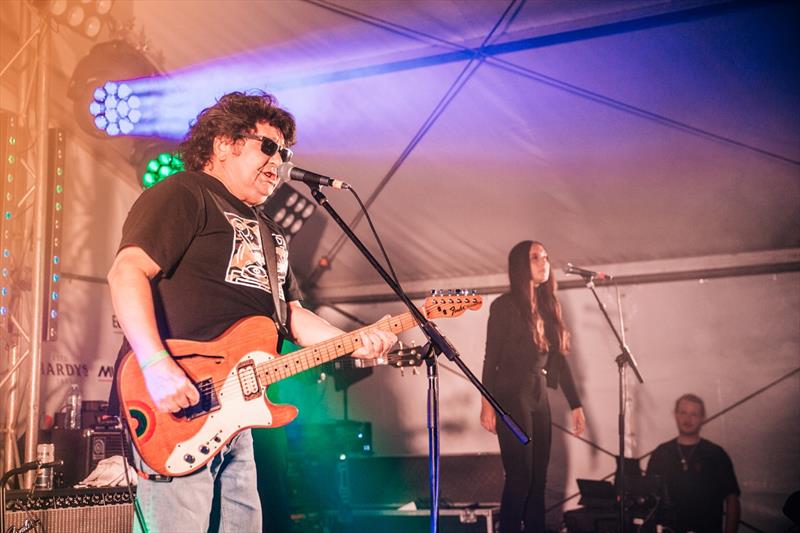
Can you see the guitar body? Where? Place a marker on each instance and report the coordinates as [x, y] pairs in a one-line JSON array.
[[232, 398], [232, 373]]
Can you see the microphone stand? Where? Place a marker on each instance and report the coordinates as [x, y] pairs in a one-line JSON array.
[[439, 344], [624, 358], [33, 465]]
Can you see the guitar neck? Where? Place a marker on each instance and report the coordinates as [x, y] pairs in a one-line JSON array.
[[324, 352]]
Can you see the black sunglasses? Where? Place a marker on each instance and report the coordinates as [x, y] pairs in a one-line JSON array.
[[270, 147]]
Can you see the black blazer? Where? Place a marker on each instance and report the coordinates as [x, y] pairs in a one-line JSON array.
[[512, 367]]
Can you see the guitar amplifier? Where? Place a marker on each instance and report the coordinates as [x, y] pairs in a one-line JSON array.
[[71, 510], [81, 450]]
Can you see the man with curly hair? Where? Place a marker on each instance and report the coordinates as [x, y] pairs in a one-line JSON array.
[[190, 264]]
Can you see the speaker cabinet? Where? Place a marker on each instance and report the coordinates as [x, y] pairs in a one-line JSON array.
[[330, 483], [81, 450]]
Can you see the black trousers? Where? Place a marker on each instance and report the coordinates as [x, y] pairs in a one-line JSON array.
[[522, 505]]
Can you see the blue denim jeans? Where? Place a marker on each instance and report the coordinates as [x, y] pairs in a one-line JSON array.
[[184, 504]]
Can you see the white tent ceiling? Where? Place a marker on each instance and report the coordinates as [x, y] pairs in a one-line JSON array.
[[614, 132]]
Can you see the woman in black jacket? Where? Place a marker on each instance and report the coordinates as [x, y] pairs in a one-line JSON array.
[[526, 347]]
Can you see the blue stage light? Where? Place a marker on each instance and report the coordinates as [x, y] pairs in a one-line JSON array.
[[95, 87], [95, 108], [125, 126], [101, 122], [115, 108]]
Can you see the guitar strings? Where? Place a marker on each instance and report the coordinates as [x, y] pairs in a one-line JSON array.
[[324, 349], [406, 321], [291, 367]]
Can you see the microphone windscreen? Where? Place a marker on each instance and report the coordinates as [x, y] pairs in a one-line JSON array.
[[285, 171]]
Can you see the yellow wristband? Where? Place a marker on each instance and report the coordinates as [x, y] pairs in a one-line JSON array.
[[155, 358]]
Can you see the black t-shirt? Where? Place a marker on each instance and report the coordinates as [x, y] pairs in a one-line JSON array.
[[208, 246], [697, 492]]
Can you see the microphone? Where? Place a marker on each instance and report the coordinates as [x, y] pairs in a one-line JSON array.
[[287, 171], [591, 274]]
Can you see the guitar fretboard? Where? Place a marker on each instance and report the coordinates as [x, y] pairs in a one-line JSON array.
[[324, 352]]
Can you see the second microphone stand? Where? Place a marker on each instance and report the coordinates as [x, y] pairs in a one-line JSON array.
[[623, 359], [439, 344]]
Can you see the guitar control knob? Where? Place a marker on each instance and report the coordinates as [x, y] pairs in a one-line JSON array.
[[204, 449], [189, 458], [217, 439]]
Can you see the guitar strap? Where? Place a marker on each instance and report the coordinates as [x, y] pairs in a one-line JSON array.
[[271, 260]]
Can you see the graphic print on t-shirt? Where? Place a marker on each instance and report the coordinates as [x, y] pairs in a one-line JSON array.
[[247, 265]]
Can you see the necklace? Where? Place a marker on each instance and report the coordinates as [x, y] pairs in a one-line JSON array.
[[685, 459]]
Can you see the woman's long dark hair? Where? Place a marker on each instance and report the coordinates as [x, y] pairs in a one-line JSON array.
[[541, 309]]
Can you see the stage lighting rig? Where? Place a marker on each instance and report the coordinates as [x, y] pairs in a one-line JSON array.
[[85, 17], [115, 108], [155, 161], [11, 189], [289, 209], [103, 106], [54, 230]]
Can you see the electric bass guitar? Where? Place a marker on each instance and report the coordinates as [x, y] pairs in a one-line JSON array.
[[232, 374]]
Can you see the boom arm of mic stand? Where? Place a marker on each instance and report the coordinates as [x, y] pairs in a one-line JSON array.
[[626, 356], [440, 343]]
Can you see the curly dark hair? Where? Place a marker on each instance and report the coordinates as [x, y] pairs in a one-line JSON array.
[[541, 310], [233, 114]]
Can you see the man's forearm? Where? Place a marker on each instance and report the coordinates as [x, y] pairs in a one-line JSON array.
[[132, 299], [309, 328], [733, 511]]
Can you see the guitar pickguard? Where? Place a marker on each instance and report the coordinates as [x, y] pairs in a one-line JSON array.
[[241, 407]]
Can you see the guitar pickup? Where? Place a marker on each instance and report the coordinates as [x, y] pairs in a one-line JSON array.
[[208, 401], [248, 379]]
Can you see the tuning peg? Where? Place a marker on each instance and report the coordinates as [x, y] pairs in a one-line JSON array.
[[402, 372], [414, 371]]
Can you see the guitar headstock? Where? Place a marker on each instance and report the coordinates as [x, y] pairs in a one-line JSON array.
[[452, 303], [411, 356], [406, 357]]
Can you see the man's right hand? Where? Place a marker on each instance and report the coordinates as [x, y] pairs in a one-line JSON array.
[[169, 386]]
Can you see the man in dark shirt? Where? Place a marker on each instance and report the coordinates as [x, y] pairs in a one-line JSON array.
[[697, 474], [193, 261]]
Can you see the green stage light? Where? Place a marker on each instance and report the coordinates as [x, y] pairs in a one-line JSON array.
[[161, 167]]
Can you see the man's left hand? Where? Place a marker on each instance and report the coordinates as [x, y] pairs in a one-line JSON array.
[[375, 343]]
